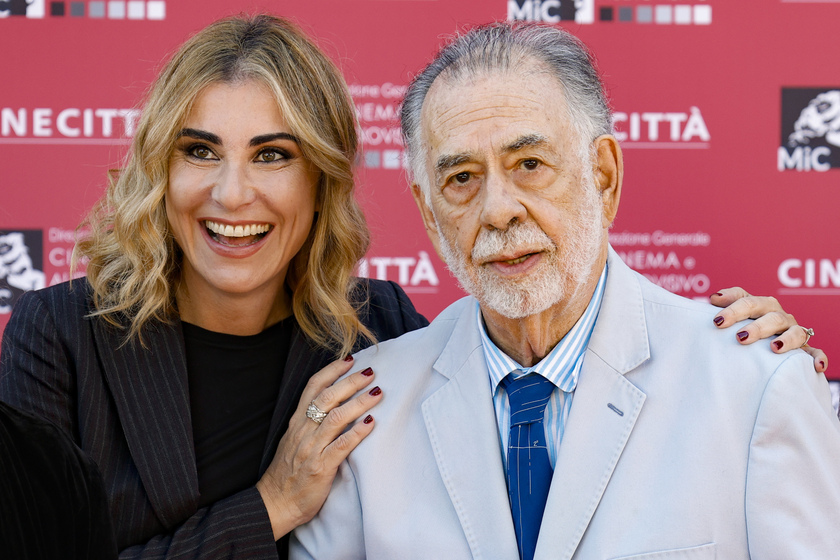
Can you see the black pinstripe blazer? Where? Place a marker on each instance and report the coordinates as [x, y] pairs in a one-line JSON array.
[[128, 408]]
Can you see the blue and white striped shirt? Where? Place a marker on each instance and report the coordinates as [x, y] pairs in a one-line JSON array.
[[561, 366]]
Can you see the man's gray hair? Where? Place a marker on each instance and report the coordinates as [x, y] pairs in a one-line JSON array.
[[500, 47]]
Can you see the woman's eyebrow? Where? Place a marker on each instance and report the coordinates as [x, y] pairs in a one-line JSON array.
[[263, 138], [200, 135]]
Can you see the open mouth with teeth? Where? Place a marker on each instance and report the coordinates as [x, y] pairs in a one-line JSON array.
[[521, 259], [236, 236]]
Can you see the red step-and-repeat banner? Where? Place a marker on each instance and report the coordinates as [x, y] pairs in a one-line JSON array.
[[728, 113]]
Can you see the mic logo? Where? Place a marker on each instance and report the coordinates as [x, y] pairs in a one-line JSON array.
[[810, 129]]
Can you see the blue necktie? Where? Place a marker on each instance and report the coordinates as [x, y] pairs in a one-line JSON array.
[[529, 468]]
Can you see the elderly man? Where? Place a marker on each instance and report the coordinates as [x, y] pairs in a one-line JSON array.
[[568, 408]]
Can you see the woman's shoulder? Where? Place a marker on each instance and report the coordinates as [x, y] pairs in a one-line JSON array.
[[380, 291], [62, 307], [385, 308], [74, 296]]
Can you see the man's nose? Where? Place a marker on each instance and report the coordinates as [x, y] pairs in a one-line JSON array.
[[233, 187], [500, 202]]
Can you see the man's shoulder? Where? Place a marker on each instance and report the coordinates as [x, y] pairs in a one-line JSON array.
[[417, 350], [683, 338], [677, 320], [668, 302]]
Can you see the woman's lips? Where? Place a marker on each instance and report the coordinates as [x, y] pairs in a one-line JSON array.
[[240, 235]]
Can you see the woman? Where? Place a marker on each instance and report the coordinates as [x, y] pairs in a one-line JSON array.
[[220, 256]]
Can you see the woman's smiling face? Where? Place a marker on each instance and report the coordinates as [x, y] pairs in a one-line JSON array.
[[242, 198]]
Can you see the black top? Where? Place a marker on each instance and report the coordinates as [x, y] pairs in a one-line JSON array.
[[53, 504], [233, 382]]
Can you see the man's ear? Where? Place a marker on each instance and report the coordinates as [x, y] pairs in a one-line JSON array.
[[427, 215], [609, 173]]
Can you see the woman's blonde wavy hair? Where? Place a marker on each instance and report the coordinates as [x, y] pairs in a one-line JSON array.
[[134, 261]]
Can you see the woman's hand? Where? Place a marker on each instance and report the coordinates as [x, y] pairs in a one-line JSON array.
[[770, 319], [296, 483]]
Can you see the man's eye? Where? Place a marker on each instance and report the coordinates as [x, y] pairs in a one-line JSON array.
[[462, 177], [530, 164]]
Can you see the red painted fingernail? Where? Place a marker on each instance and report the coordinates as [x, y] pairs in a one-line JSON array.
[[368, 419], [822, 364], [717, 294], [375, 391], [718, 320], [778, 344], [348, 358], [367, 372], [743, 335]]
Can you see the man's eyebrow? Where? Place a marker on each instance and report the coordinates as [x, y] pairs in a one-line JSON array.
[[527, 141], [200, 135], [263, 138], [445, 162]]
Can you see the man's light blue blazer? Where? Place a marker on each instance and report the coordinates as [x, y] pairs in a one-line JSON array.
[[680, 444]]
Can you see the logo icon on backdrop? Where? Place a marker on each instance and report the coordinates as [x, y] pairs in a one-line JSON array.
[[552, 11], [628, 11], [810, 129], [93, 9], [21, 265], [28, 8]]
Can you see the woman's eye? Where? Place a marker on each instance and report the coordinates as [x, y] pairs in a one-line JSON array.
[[201, 152], [270, 156]]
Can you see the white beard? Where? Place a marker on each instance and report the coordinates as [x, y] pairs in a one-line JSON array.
[[560, 275]]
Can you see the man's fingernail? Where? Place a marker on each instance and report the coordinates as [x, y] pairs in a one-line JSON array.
[[348, 358], [743, 335], [375, 391], [718, 320], [368, 419], [778, 344], [367, 372]]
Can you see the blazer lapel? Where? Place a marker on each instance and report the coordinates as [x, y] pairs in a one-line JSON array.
[[461, 423], [604, 411], [149, 387], [304, 360]]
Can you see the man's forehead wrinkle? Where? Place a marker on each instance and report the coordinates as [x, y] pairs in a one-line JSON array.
[[472, 114], [443, 112]]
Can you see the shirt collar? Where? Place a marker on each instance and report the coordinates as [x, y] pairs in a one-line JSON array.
[[562, 365]]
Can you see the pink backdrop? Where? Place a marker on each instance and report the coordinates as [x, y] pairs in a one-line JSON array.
[[728, 112]]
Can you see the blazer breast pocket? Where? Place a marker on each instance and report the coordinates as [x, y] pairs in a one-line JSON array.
[[702, 552]]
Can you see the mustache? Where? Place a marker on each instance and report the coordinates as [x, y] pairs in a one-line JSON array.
[[519, 237]]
